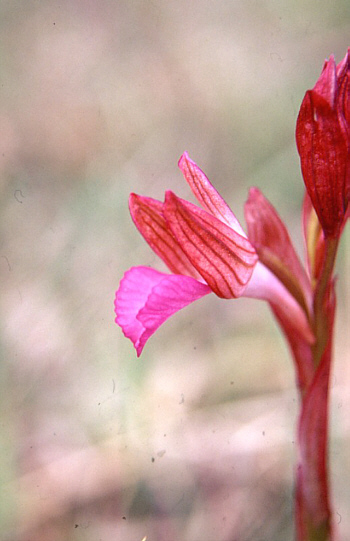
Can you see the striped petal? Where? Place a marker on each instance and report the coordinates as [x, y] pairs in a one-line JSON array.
[[206, 194], [147, 214], [322, 137], [272, 242], [223, 257]]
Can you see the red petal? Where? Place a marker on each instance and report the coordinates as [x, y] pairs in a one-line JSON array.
[[343, 104], [271, 240], [323, 149], [223, 257], [147, 215], [343, 79], [326, 86], [206, 194]]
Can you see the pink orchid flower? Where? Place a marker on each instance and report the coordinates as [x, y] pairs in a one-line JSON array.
[[206, 251]]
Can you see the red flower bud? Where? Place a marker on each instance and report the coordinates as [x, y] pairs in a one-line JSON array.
[[323, 141]]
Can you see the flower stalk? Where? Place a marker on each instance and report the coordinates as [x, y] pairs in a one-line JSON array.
[[313, 509]]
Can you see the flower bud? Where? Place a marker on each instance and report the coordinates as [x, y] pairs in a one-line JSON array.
[[323, 141]]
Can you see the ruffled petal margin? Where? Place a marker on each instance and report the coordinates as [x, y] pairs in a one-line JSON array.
[[146, 298]]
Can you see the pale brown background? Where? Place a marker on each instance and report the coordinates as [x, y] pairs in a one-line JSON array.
[[195, 440]]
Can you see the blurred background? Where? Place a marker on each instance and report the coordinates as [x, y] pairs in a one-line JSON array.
[[194, 440]]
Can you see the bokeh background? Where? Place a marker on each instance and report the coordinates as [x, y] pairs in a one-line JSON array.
[[194, 440]]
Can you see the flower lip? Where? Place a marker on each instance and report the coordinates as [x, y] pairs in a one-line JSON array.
[[146, 298]]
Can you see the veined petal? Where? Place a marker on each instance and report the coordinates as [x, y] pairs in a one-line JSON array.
[[206, 194], [146, 298], [147, 214], [223, 257], [270, 238], [322, 143]]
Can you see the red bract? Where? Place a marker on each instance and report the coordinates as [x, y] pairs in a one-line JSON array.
[[207, 251], [323, 141], [270, 238]]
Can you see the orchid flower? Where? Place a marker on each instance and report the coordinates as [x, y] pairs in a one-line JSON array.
[[207, 251]]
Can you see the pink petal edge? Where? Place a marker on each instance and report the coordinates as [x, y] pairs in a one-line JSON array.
[[206, 194], [146, 298]]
